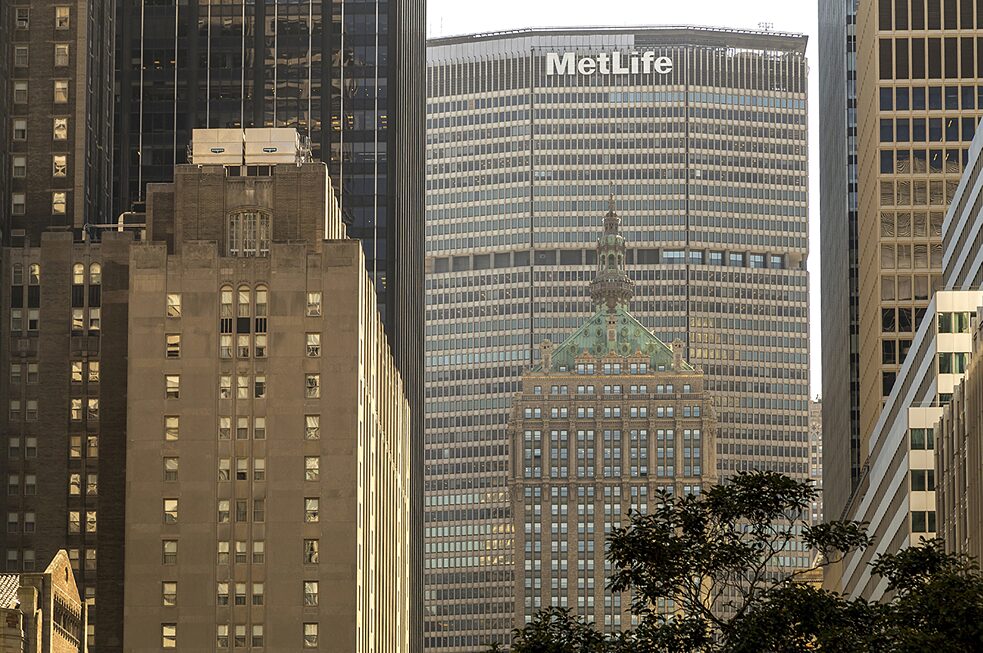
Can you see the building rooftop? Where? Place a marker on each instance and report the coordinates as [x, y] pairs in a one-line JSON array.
[[9, 583], [647, 35]]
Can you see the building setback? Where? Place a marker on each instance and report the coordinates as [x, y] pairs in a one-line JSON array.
[[349, 76], [268, 434], [709, 164], [610, 418]]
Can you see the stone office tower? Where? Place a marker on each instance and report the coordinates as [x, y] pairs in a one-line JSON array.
[[608, 419], [268, 431]]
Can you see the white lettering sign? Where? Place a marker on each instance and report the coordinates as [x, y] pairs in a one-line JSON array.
[[614, 63]]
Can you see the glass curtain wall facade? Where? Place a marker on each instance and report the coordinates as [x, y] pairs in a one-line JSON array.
[[708, 164]]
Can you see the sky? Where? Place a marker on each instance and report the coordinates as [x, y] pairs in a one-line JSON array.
[[450, 17]]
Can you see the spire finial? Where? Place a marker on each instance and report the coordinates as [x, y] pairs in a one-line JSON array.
[[611, 205], [611, 286]]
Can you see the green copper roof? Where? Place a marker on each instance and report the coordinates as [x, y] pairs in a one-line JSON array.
[[631, 338]]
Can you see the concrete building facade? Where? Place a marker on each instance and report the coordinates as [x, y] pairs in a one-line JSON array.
[[709, 165], [610, 418], [264, 395]]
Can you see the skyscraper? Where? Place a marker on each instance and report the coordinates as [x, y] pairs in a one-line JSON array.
[[264, 396], [918, 103], [60, 115], [348, 75], [527, 132], [839, 238], [611, 417]]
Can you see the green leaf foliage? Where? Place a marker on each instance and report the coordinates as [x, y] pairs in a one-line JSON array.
[[697, 553]]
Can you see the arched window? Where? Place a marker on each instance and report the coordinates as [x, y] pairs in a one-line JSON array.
[[78, 274], [95, 274], [249, 233], [245, 300], [226, 310], [34, 274]]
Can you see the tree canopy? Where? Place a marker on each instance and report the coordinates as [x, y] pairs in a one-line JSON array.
[[713, 558]]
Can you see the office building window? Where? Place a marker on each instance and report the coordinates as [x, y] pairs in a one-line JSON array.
[[59, 165], [311, 551], [168, 591], [169, 552], [60, 91], [311, 512], [19, 167], [174, 305], [258, 594], [222, 636], [312, 386], [312, 427], [172, 343], [20, 129], [313, 303], [18, 206], [168, 635], [20, 56], [259, 552], [312, 468], [63, 17], [22, 17], [310, 636], [170, 511], [257, 638], [249, 233], [172, 428], [59, 130], [310, 593], [61, 54], [313, 345], [173, 386], [170, 468]]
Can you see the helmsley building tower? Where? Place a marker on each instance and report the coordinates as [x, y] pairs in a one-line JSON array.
[[702, 133]]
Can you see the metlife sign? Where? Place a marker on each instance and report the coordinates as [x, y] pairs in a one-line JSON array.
[[604, 63]]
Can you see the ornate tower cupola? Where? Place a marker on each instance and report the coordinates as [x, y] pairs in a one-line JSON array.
[[611, 286]]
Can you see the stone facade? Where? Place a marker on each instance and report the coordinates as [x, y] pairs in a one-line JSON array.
[[610, 418], [268, 431]]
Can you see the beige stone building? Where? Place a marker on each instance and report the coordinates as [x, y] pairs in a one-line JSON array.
[[268, 431], [611, 417], [959, 460], [42, 612]]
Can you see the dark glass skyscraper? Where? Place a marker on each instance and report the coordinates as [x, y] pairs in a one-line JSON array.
[[348, 74]]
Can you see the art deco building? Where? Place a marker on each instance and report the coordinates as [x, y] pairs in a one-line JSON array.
[[42, 612], [709, 162], [58, 120], [268, 433], [606, 421], [816, 456], [349, 76]]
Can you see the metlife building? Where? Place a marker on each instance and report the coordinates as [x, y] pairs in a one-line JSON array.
[[701, 136]]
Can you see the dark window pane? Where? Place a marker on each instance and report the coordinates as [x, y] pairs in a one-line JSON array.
[[900, 14], [902, 98], [901, 58], [969, 129], [968, 58], [966, 14], [935, 58], [887, 130], [887, 161], [918, 98], [918, 58], [952, 58], [886, 69], [889, 352], [887, 383], [934, 14], [887, 320], [951, 17], [904, 319], [935, 129], [886, 97], [884, 15], [903, 130], [952, 98], [918, 14], [969, 97]]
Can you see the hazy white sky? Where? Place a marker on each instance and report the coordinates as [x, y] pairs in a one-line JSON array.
[[448, 17]]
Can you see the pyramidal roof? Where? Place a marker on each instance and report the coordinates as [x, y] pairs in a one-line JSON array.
[[612, 333]]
